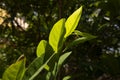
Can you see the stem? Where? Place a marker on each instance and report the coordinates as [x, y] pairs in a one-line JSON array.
[[41, 68], [60, 8]]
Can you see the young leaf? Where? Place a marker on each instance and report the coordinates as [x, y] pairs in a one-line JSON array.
[[87, 35], [41, 48], [72, 22], [44, 50], [63, 58], [75, 42], [15, 71], [57, 34]]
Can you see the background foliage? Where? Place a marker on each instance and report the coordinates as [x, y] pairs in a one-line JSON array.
[[97, 59]]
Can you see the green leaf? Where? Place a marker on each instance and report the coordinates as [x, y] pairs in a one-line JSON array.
[[54, 72], [48, 76], [44, 50], [75, 42], [63, 58], [72, 22], [57, 35], [40, 68], [33, 67], [87, 35], [15, 71], [41, 48], [66, 77]]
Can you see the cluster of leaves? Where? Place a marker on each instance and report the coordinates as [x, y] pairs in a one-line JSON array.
[[49, 55], [94, 59]]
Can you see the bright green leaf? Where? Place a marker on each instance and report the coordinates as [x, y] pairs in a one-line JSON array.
[[15, 71], [44, 50], [57, 34], [41, 48], [72, 22]]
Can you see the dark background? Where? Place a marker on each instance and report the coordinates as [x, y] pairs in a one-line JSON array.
[[98, 59]]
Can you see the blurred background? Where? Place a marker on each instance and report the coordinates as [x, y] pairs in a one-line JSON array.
[[24, 23]]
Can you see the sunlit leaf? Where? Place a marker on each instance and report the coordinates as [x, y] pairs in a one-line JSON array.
[[57, 34], [15, 71], [72, 22], [44, 51], [41, 48]]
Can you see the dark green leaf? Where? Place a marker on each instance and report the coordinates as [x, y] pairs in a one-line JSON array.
[[33, 67], [66, 77], [40, 68], [63, 58], [87, 35]]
